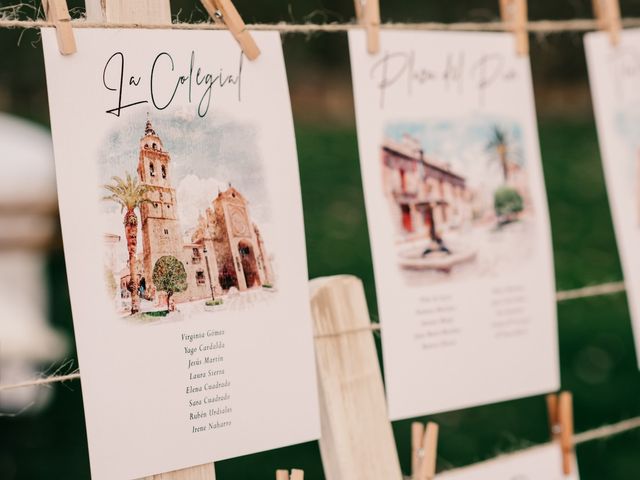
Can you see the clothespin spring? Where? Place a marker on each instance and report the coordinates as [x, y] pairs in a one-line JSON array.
[[223, 11], [57, 12], [560, 408], [607, 13], [368, 15], [514, 14]]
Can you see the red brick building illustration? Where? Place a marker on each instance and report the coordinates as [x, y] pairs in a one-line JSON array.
[[426, 196]]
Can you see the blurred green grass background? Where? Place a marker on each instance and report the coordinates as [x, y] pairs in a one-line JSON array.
[[597, 356]]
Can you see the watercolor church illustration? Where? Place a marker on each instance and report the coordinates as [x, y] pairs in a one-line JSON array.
[[225, 250]]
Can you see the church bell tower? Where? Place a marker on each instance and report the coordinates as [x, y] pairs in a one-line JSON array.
[[160, 224]]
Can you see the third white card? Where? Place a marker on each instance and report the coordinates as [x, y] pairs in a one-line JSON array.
[[613, 74], [458, 219]]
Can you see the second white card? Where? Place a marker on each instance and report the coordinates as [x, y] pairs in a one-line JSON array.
[[458, 219]]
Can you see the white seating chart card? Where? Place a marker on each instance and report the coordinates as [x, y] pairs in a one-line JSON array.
[[613, 74], [458, 219], [540, 463], [184, 241]]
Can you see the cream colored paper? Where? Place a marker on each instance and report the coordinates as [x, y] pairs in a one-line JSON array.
[[210, 136], [466, 296]]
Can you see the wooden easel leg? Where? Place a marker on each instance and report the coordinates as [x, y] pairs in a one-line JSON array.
[[357, 441], [201, 472]]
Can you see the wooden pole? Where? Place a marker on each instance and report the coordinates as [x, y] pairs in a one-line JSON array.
[[147, 12], [284, 474], [357, 440], [201, 472], [150, 12]]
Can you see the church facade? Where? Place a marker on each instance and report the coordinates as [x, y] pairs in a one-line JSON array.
[[226, 249]]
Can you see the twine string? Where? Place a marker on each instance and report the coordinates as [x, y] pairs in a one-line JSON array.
[[607, 431], [590, 291], [536, 26], [47, 380], [561, 296]]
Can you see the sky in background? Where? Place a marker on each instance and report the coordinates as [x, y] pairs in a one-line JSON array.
[[463, 145]]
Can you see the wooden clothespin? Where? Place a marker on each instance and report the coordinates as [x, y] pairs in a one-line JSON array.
[[560, 409], [57, 13], [424, 450], [368, 15], [295, 474], [514, 13], [607, 13], [223, 11]]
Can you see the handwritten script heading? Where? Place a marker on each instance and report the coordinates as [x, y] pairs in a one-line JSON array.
[[193, 85], [400, 71]]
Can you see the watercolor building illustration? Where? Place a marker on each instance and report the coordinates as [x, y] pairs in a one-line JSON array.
[[447, 218], [428, 195], [225, 252]]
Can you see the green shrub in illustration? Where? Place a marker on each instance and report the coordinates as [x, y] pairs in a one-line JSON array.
[[169, 276], [507, 203]]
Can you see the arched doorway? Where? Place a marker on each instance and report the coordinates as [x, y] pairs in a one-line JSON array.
[[407, 221], [427, 215], [227, 278], [142, 287], [249, 264]]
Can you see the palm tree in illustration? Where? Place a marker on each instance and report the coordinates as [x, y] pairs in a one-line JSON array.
[[498, 142], [129, 194], [507, 200]]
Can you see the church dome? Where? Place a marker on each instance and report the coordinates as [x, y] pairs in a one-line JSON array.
[[151, 140], [149, 129]]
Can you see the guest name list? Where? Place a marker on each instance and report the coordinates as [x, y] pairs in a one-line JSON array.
[[208, 388]]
